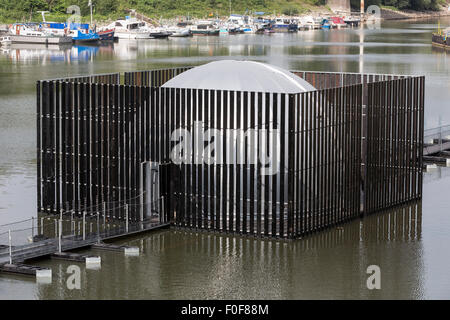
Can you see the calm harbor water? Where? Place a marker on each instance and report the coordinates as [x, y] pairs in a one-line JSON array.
[[409, 244]]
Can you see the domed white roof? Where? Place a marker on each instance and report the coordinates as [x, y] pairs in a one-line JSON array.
[[240, 76]]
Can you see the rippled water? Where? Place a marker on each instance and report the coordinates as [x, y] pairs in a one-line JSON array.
[[409, 244]]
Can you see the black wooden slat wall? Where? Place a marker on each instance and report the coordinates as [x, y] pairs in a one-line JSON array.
[[356, 137], [394, 142]]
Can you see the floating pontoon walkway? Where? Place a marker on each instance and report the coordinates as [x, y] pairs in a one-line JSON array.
[[52, 246]]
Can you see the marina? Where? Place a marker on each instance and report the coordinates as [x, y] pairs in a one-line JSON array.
[[131, 27], [405, 228]]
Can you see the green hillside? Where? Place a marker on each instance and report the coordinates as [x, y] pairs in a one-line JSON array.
[[26, 10]]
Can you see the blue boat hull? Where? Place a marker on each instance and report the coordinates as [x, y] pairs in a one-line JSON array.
[[86, 37]]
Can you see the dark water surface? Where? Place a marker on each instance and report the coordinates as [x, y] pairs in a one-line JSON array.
[[411, 244]]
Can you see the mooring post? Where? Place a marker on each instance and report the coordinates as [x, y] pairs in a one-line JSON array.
[[162, 210], [72, 224], [60, 236], [84, 225], [56, 228], [42, 225], [142, 197], [10, 246], [104, 215], [126, 217], [32, 228], [60, 219], [98, 227]]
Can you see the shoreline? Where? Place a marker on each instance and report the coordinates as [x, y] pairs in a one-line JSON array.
[[386, 14]]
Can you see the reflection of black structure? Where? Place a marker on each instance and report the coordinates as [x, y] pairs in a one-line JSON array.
[[353, 146], [325, 265]]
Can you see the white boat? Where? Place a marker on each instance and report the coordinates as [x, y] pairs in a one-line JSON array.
[[240, 24], [310, 22], [352, 21], [23, 29], [5, 41], [27, 33], [129, 29]]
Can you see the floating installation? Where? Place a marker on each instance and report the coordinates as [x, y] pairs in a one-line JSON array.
[[348, 145]]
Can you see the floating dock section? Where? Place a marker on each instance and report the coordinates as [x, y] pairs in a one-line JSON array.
[[24, 269]]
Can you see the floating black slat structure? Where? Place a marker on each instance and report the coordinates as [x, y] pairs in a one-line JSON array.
[[352, 147]]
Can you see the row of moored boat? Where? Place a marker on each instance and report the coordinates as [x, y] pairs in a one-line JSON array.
[[131, 28]]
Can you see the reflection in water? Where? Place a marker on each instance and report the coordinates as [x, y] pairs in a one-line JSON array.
[[436, 174], [332, 264], [47, 55]]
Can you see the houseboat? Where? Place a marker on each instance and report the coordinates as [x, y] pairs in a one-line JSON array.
[[29, 33]]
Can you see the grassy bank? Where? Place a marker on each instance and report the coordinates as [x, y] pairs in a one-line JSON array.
[[104, 10], [27, 10]]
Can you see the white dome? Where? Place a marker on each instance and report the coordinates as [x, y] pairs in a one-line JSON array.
[[240, 76]]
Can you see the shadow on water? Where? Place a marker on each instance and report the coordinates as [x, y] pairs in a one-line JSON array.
[[195, 265]]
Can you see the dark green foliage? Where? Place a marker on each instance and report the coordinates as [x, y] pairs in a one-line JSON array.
[[103, 9]]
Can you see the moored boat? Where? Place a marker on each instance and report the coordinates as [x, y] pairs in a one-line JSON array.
[[310, 22], [179, 32], [84, 36], [352, 21], [338, 22], [5, 41], [205, 28], [284, 25], [441, 38], [29, 33], [106, 35], [159, 34], [129, 29]]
